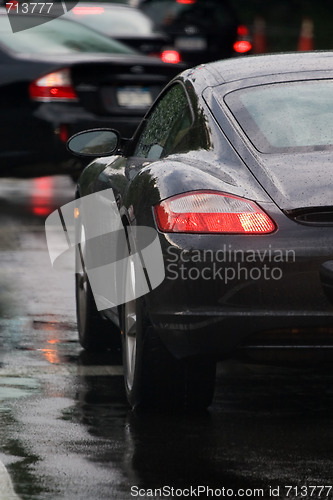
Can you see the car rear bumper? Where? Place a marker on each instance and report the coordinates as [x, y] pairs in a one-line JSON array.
[[221, 333], [232, 296]]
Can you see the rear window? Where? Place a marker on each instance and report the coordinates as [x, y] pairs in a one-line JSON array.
[[287, 116], [58, 36]]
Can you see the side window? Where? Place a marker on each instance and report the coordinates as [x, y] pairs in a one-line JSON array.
[[166, 126]]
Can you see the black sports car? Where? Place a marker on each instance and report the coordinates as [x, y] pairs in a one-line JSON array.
[[61, 77], [231, 169]]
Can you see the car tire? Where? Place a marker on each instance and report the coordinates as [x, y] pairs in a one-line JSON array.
[[95, 333], [154, 378]]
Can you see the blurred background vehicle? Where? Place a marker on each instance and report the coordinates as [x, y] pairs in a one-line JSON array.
[[125, 24], [201, 30], [62, 77]]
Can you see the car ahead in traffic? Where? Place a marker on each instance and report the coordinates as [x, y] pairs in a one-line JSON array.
[[127, 25], [231, 170], [61, 77], [201, 30]]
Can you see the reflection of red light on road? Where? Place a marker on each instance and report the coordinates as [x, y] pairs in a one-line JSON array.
[[53, 341], [51, 356], [41, 196]]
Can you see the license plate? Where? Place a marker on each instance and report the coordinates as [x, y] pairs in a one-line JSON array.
[[134, 97], [191, 43]]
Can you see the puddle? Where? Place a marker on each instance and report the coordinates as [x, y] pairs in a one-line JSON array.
[[15, 388], [53, 326]]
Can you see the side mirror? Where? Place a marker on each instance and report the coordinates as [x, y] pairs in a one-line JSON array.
[[94, 142]]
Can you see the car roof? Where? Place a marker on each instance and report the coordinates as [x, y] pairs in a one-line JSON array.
[[229, 70]]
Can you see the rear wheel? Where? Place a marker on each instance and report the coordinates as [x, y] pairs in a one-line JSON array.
[[153, 377], [95, 333]]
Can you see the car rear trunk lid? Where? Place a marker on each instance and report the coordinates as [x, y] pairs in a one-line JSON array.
[[300, 184]]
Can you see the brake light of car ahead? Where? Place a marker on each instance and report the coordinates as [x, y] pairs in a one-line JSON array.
[[211, 212], [170, 56], [56, 86], [243, 44]]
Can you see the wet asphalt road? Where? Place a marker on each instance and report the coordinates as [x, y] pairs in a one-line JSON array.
[[66, 431]]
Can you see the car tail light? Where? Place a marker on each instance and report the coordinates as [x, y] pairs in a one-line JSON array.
[[170, 56], [242, 30], [211, 212], [242, 46], [55, 86]]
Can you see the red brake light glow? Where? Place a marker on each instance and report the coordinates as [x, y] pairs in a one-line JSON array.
[[242, 46], [63, 132], [55, 86], [186, 1], [242, 30], [211, 212], [170, 56]]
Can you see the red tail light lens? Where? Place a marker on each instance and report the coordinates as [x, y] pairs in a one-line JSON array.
[[211, 212], [55, 86], [170, 56]]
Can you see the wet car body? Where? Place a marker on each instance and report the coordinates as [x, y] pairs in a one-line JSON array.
[[35, 126], [258, 294]]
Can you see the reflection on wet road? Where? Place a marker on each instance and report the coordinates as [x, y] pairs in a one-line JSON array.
[[66, 431]]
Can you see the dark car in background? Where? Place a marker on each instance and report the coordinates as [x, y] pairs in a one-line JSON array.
[[231, 170], [201, 30], [61, 77], [127, 25]]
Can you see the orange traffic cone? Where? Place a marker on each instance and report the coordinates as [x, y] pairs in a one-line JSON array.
[[305, 41], [259, 35]]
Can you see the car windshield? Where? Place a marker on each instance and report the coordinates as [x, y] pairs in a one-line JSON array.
[[286, 116], [112, 21], [58, 36], [204, 12]]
